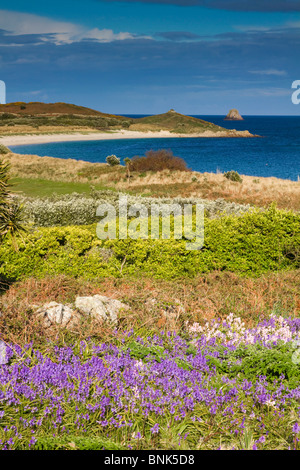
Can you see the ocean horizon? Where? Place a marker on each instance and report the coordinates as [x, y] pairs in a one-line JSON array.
[[275, 153]]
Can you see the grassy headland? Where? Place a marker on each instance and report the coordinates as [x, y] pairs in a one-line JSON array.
[[42, 118]]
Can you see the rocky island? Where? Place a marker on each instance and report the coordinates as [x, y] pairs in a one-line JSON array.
[[234, 115]]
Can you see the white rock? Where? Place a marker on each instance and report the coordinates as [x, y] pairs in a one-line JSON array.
[[54, 312], [100, 307]]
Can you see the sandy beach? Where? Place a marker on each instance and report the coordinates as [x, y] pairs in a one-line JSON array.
[[28, 139]]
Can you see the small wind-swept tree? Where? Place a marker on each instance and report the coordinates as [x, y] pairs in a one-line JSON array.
[[127, 163], [10, 210]]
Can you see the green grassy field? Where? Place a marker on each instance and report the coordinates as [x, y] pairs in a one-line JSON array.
[[41, 188]]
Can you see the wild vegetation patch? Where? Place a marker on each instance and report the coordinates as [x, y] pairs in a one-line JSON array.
[[173, 374], [148, 392], [251, 244], [28, 169], [80, 209]]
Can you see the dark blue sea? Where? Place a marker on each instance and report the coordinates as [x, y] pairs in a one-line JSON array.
[[276, 153]]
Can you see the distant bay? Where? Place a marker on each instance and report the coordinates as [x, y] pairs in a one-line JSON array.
[[276, 153]]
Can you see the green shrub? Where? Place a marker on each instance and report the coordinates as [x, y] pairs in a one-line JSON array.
[[3, 150], [233, 176], [8, 116], [250, 245], [66, 250], [112, 160]]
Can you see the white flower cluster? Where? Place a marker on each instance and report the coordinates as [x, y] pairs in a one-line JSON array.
[[232, 331], [269, 333]]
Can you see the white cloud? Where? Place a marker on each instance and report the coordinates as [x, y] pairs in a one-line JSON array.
[[279, 73], [267, 92], [105, 35], [262, 28], [248, 28], [17, 23]]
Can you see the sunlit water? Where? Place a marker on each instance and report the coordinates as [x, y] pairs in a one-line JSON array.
[[276, 153]]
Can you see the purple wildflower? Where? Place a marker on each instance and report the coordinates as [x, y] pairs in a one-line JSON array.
[[296, 428], [155, 429]]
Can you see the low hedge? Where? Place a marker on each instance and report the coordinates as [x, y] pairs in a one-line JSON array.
[[251, 244]]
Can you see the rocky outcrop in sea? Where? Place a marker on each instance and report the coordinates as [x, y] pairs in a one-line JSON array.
[[233, 115]]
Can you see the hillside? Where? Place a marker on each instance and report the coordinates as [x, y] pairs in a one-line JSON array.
[[174, 122], [44, 118], [37, 108]]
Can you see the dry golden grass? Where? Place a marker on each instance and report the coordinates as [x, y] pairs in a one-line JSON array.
[[59, 169], [258, 191], [211, 296], [253, 190]]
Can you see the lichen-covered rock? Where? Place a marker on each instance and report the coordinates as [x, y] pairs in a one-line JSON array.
[[100, 307], [54, 313]]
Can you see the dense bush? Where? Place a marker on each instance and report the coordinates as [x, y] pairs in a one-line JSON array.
[[54, 250], [233, 176], [3, 150], [112, 160], [158, 160], [251, 245], [7, 116]]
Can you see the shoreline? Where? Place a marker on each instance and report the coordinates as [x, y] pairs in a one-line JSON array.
[[31, 139]]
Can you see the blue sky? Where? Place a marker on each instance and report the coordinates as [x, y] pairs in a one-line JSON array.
[[145, 57]]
